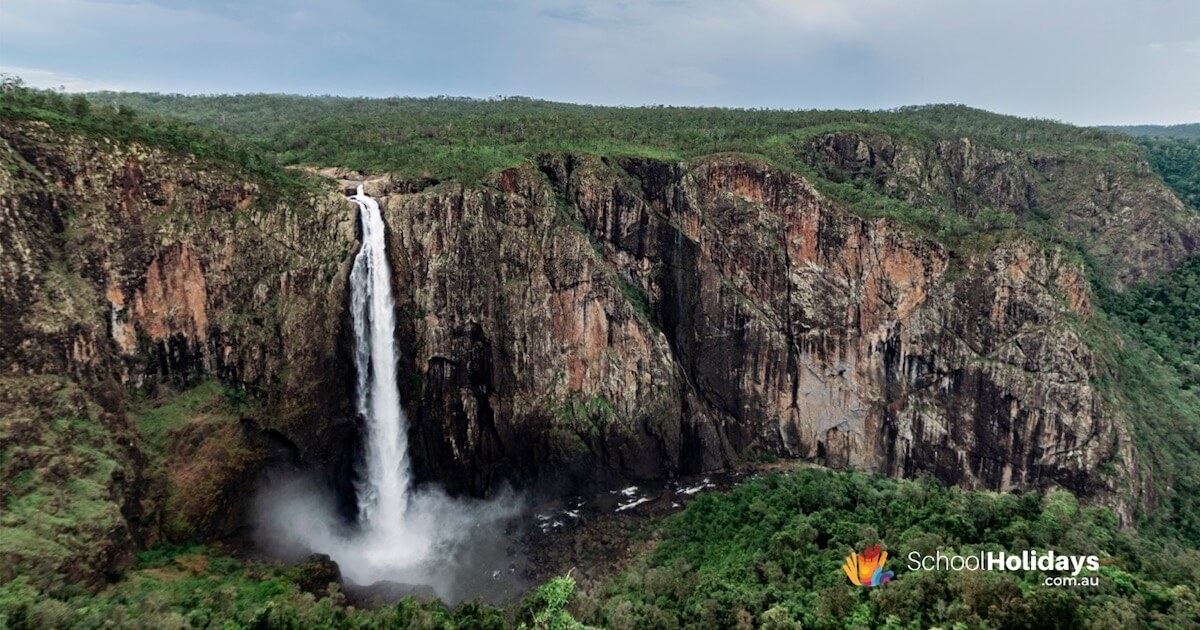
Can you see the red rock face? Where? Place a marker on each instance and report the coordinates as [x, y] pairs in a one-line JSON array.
[[640, 318], [173, 300]]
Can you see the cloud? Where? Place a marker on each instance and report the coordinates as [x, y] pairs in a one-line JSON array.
[[177, 45], [50, 79], [1086, 61], [1187, 47]]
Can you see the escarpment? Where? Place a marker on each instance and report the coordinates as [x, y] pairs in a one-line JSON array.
[[635, 317], [1109, 202], [572, 321], [125, 267]]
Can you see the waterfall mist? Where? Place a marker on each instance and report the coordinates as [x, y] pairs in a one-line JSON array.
[[403, 534]]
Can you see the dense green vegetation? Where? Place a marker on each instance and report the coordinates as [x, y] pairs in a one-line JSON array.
[[169, 588], [199, 587], [466, 138], [1156, 379], [1163, 413], [76, 113], [1151, 343], [1166, 316], [1188, 130], [768, 554], [1178, 162]]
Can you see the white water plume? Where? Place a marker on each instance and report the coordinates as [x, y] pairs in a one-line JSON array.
[[402, 535], [382, 492]]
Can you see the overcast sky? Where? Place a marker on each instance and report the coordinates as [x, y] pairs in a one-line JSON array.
[[1082, 61]]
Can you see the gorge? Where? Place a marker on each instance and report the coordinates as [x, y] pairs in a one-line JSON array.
[[194, 352]]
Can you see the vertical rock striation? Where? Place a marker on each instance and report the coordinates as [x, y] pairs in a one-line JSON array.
[[628, 318]]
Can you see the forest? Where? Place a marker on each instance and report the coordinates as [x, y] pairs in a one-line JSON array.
[[464, 139]]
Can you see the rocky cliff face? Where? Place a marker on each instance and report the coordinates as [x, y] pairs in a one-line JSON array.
[[631, 318], [125, 267], [1109, 201], [573, 321]]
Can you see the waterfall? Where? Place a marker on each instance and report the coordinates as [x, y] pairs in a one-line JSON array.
[[403, 534], [383, 489]]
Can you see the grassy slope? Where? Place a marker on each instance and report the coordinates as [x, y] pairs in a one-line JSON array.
[[59, 457], [195, 446]]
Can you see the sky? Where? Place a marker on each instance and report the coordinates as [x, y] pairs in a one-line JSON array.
[[1081, 61]]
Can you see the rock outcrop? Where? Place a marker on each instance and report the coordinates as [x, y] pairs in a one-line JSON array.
[[1108, 201]]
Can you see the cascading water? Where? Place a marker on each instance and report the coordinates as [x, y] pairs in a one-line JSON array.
[[382, 494], [403, 535]]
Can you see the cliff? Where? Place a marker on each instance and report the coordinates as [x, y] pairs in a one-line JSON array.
[[126, 267], [1107, 202], [572, 321], [630, 318]]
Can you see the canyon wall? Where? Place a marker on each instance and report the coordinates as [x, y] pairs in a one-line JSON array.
[[573, 321], [631, 318], [124, 268]]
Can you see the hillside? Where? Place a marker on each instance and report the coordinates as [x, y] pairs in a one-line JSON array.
[[1187, 131], [589, 297], [464, 138]]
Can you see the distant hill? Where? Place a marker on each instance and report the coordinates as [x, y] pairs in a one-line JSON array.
[[1187, 130], [464, 139]]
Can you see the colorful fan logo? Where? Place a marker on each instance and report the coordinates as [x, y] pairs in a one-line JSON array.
[[866, 568]]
